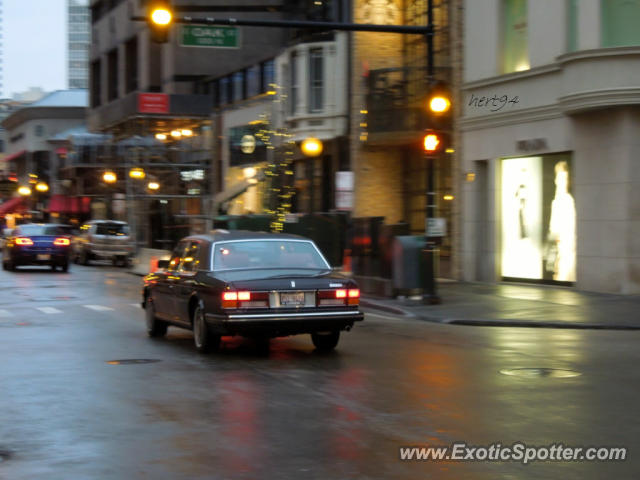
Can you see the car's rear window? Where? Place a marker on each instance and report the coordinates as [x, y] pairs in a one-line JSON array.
[[112, 229], [34, 230], [267, 254]]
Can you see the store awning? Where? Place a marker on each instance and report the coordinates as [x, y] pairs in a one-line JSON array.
[[12, 205], [65, 204], [13, 156]]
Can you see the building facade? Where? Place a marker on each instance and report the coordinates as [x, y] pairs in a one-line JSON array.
[[389, 116], [78, 43], [549, 143]]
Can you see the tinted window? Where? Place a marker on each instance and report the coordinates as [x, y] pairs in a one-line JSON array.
[[30, 230], [112, 229], [266, 254]]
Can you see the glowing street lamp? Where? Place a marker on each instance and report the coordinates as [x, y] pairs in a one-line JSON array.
[[161, 136], [137, 173], [42, 187], [153, 186], [109, 177], [24, 191], [311, 147]]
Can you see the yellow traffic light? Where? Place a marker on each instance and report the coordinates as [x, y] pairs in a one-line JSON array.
[[439, 101], [161, 16], [160, 19], [439, 104], [431, 142]]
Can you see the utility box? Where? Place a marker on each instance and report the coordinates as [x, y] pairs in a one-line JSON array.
[[407, 264]]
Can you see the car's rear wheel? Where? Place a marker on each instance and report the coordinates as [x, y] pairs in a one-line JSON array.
[[53, 267], [65, 266], [325, 341], [84, 257], [155, 327], [204, 340]]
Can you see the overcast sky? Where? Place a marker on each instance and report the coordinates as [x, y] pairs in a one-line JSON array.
[[33, 45]]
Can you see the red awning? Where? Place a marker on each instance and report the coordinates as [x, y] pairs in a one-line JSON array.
[[61, 151], [12, 205], [8, 158], [65, 204]]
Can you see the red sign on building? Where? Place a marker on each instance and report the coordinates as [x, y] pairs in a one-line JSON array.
[[153, 103]]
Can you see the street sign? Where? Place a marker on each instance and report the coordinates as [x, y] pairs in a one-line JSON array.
[[209, 36], [153, 103], [436, 227]]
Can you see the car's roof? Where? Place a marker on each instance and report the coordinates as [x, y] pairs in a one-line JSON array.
[[44, 225], [228, 235], [108, 221]]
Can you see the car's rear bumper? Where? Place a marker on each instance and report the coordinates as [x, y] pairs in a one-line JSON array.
[[279, 324], [40, 258]]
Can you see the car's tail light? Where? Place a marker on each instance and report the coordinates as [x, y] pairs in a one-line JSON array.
[[338, 297], [61, 241], [353, 296], [24, 241], [245, 299]]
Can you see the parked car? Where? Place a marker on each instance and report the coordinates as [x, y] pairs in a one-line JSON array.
[[252, 284], [103, 239], [38, 244]]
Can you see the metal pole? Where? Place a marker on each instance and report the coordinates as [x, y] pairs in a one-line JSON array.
[[430, 295]]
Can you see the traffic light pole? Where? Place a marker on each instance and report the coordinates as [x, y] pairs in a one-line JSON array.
[[430, 295]]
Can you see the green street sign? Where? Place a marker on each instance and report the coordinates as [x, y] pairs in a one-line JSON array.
[[209, 36]]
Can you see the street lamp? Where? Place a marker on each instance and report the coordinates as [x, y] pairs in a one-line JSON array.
[[42, 187], [153, 186], [311, 147], [159, 19], [24, 191], [137, 173], [109, 177]]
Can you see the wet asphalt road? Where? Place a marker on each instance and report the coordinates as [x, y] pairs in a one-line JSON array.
[[67, 413]]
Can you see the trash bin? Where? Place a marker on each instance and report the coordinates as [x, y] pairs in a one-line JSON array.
[[407, 264]]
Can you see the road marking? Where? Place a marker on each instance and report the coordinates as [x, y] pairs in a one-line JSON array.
[[98, 308], [136, 305], [49, 310]]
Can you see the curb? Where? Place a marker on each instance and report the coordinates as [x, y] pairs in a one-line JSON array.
[[531, 324], [385, 308]]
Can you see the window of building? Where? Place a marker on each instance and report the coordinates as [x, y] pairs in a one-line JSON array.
[[293, 83], [238, 86], [253, 81], [39, 130], [268, 75], [572, 25], [515, 41], [316, 80], [620, 23], [112, 72], [223, 91], [131, 65], [96, 84]]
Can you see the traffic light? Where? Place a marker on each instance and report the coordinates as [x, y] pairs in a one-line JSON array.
[[439, 100], [159, 18], [432, 142]]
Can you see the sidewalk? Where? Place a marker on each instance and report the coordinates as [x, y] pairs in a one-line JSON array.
[[520, 306]]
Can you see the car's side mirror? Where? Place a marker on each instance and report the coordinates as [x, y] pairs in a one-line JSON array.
[[163, 264]]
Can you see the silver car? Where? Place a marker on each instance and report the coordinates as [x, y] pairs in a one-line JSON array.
[[104, 239]]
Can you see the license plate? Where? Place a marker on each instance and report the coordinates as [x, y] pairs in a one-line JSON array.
[[292, 299], [44, 256]]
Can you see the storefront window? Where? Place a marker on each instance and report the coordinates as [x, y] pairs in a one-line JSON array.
[[538, 219], [515, 44]]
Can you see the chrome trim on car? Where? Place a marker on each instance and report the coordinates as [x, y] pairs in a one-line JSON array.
[[257, 316]]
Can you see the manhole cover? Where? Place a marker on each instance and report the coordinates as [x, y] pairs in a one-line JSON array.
[[132, 361], [540, 372]]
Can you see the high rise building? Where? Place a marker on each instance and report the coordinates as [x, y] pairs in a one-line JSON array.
[[78, 41]]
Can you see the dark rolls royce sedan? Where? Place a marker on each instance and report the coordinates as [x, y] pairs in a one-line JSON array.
[[260, 285], [37, 244]]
